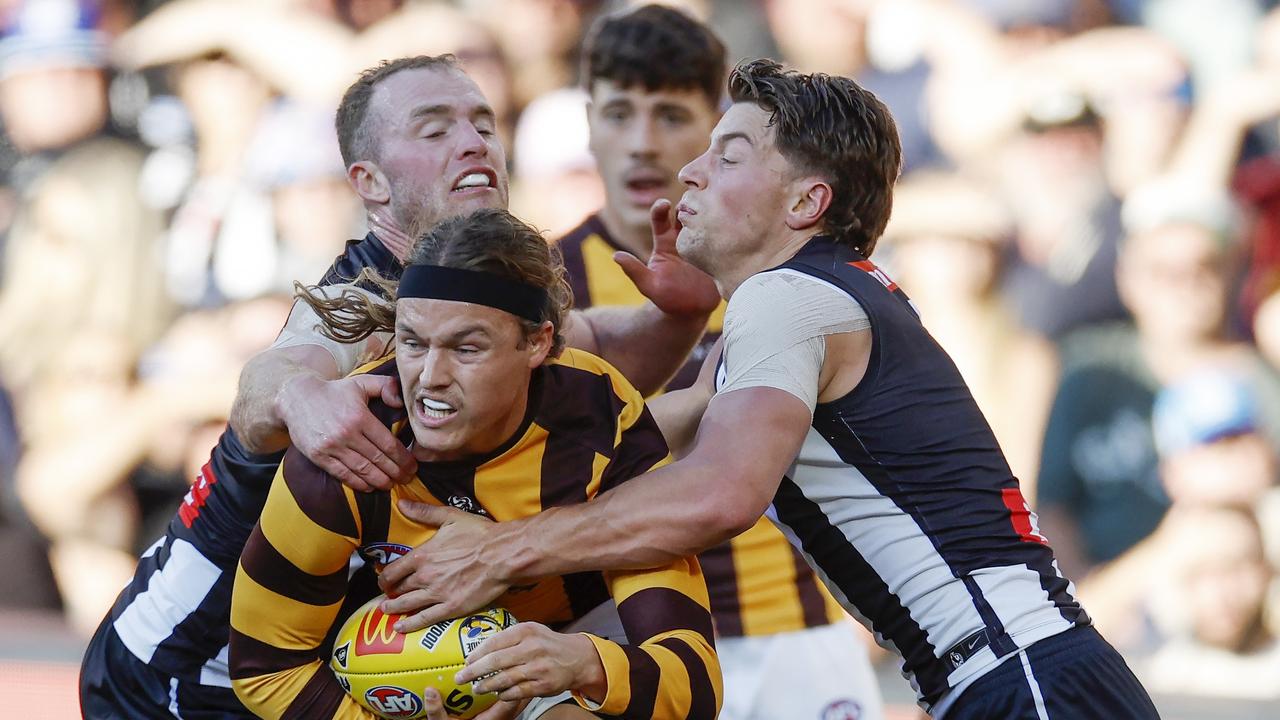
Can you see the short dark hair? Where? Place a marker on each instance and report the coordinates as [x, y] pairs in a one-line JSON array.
[[354, 141], [658, 48], [830, 126]]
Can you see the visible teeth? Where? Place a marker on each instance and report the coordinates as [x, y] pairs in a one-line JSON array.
[[436, 409], [473, 180]]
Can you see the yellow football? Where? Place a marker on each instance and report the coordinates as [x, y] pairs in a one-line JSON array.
[[386, 671]]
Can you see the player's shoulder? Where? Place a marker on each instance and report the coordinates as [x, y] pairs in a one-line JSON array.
[[321, 497], [590, 227], [367, 252], [580, 369], [385, 365], [778, 295], [581, 391]]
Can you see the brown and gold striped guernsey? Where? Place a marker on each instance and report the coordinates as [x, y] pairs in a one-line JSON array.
[[759, 583], [586, 430]]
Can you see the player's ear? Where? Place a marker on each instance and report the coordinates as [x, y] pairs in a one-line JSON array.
[[539, 344], [810, 199], [367, 179]]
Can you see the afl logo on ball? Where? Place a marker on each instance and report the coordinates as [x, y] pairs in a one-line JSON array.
[[393, 702]]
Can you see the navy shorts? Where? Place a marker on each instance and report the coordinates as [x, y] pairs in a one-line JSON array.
[[1075, 675], [116, 685]]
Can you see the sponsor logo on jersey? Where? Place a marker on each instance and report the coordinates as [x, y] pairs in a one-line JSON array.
[[478, 628], [377, 636], [382, 554], [433, 635], [393, 702], [340, 655], [842, 710], [197, 495]]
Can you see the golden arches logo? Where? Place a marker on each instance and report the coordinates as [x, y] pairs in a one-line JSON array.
[[376, 634]]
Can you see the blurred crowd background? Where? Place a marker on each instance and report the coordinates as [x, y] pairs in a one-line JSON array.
[[1088, 221]]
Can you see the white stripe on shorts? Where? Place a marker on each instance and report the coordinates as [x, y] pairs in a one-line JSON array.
[[1041, 711]]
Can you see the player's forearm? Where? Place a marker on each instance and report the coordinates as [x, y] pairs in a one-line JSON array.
[[268, 383], [652, 520], [638, 687], [647, 345]]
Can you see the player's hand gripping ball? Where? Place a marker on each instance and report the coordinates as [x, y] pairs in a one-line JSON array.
[[386, 671]]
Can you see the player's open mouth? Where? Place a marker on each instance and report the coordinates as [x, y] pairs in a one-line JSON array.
[[436, 409], [645, 186], [475, 179]]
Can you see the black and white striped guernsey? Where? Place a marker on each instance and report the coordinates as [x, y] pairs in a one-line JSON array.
[[174, 614], [903, 503]]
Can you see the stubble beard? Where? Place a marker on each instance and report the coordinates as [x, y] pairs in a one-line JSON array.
[[692, 246]]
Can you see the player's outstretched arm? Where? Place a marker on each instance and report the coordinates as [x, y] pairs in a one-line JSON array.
[[747, 440]]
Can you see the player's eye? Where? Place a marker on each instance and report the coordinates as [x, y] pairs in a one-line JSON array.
[[675, 118]]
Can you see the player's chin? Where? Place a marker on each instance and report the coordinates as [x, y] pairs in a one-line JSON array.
[[468, 201]]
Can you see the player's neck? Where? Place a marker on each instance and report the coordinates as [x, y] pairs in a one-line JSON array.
[[636, 240], [766, 255]]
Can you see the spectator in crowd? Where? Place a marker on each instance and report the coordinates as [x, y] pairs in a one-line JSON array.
[[1099, 485], [1221, 575], [220, 238], [81, 210], [554, 180], [80, 258], [1232, 143], [1062, 271], [295, 160], [540, 39], [1213, 453], [101, 496]]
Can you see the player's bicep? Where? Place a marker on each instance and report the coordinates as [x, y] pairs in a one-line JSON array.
[[775, 330], [750, 437], [302, 329]]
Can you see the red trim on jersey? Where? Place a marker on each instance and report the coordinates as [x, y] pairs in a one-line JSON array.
[[870, 268], [197, 496], [1020, 516]]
